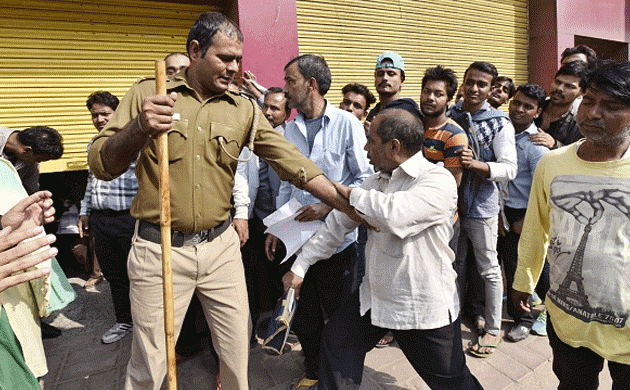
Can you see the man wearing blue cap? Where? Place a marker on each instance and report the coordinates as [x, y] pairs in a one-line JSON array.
[[389, 77]]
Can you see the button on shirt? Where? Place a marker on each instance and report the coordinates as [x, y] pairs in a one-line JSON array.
[[528, 155], [409, 281], [203, 146], [337, 151]]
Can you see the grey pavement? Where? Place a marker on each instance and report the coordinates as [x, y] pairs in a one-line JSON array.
[[77, 360]]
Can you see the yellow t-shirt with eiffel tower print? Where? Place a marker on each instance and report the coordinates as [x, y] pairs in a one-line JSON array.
[[579, 217]]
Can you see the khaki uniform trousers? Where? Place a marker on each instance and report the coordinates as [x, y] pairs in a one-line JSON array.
[[214, 271]]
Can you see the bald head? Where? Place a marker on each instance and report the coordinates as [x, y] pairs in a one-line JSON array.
[[395, 123], [175, 62]]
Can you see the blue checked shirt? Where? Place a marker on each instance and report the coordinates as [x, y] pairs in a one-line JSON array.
[[114, 195]]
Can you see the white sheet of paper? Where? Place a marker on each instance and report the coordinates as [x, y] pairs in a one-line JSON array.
[[292, 233]]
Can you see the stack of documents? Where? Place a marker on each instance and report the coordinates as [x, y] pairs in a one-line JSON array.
[[292, 233]]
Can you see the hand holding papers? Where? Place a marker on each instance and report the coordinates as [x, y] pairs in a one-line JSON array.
[[292, 233]]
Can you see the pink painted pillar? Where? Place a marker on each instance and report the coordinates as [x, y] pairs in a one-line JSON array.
[[270, 38], [543, 42], [554, 25]]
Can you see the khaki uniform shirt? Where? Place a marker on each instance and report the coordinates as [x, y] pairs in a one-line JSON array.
[[201, 170]]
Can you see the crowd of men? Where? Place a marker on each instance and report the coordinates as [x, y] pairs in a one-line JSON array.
[[424, 206]]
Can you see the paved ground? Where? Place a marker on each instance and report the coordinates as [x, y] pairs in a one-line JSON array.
[[78, 360]]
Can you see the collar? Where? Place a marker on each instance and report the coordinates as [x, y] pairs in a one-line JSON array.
[[412, 167], [281, 127], [532, 129], [328, 113], [180, 82], [485, 107], [449, 120], [562, 117]]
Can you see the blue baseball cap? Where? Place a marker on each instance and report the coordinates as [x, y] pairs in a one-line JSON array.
[[397, 61]]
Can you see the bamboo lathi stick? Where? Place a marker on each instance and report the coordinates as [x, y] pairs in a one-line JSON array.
[[165, 227]]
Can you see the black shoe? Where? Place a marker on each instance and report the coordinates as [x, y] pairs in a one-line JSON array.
[[518, 333], [49, 331]]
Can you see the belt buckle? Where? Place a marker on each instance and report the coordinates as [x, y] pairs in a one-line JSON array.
[[200, 237]]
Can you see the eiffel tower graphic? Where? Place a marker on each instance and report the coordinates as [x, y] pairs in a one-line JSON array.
[[574, 277], [588, 207], [572, 287]]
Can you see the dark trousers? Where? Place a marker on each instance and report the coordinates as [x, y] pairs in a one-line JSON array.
[[435, 354], [579, 368], [471, 287], [509, 257], [323, 288], [112, 233], [71, 264], [359, 266], [263, 277]]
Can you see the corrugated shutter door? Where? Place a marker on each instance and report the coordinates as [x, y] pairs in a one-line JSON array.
[[351, 34], [55, 53]]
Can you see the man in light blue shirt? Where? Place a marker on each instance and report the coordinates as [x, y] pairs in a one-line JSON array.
[[526, 105], [334, 140]]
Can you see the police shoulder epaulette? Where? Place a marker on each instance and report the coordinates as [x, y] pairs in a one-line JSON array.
[[246, 95], [145, 79]]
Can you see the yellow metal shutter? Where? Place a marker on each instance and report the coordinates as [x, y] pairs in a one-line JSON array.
[[55, 53], [351, 34]]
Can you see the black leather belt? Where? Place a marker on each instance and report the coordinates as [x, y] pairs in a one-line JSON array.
[[151, 232], [110, 213]]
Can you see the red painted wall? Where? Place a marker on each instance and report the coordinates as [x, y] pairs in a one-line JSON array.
[[604, 19], [270, 31], [543, 42], [555, 25]]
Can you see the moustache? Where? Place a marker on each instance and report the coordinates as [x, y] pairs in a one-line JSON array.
[[592, 124]]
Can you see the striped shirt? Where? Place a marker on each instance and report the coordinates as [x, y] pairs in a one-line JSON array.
[[441, 144], [114, 195]]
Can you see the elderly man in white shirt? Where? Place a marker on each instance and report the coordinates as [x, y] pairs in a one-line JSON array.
[[409, 286]]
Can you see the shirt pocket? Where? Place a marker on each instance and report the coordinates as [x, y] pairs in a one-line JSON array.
[[225, 144], [176, 145], [331, 163]]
